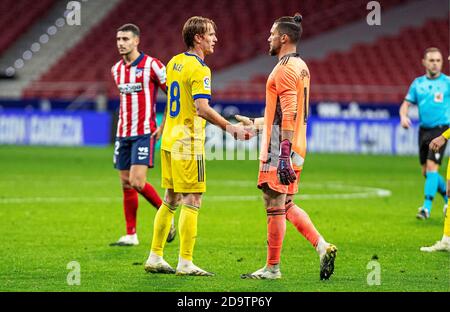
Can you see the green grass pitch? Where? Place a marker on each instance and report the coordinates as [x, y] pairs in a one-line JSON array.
[[63, 204]]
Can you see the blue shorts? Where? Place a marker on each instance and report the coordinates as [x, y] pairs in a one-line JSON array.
[[136, 150]]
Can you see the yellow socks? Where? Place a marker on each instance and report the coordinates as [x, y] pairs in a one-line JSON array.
[[161, 227], [187, 225], [447, 223]]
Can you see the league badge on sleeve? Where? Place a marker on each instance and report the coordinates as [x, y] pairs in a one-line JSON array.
[[207, 83]]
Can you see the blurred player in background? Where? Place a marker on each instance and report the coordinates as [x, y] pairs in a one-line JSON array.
[[283, 149], [138, 77], [444, 243], [431, 93], [182, 149]]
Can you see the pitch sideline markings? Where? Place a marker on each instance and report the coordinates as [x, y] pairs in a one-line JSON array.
[[356, 193], [359, 192]]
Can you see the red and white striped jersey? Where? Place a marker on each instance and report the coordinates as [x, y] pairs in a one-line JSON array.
[[138, 84]]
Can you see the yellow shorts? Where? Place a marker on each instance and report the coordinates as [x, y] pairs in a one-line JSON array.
[[448, 170], [183, 173]]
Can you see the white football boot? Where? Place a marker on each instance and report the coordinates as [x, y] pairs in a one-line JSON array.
[[156, 264], [327, 254], [186, 267], [442, 245], [127, 240], [422, 214], [272, 272]]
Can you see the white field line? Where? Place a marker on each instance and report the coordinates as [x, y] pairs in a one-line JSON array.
[[352, 192], [57, 200], [241, 183]]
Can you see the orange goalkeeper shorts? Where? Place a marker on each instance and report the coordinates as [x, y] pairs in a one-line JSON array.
[[268, 175]]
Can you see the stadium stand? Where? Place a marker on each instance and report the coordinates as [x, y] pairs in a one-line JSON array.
[[48, 52], [16, 26], [95, 54], [376, 72]]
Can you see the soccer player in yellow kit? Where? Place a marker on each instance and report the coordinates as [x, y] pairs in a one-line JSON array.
[[182, 148], [444, 243]]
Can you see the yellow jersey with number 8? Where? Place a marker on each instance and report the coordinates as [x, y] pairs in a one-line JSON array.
[[188, 79]]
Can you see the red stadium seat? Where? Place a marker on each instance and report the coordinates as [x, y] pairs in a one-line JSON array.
[[384, 68], [27, 13], [242, 31]]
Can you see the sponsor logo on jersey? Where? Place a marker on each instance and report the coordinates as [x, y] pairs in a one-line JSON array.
[[127, 88]]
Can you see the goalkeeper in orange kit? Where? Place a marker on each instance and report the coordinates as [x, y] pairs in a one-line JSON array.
[[283, 149]]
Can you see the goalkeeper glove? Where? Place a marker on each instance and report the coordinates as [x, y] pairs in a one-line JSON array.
[[285, 172]]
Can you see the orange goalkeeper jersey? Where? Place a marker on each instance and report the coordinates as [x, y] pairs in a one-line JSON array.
[[287, 102]]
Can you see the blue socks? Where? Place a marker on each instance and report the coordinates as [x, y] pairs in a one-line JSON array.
[[433, 183], [442, 188]]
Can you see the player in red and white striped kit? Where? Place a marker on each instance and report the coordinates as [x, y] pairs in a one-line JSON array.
[[138, 77]]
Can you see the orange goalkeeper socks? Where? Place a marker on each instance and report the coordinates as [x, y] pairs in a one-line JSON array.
[[276, 228], [300, 219]]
